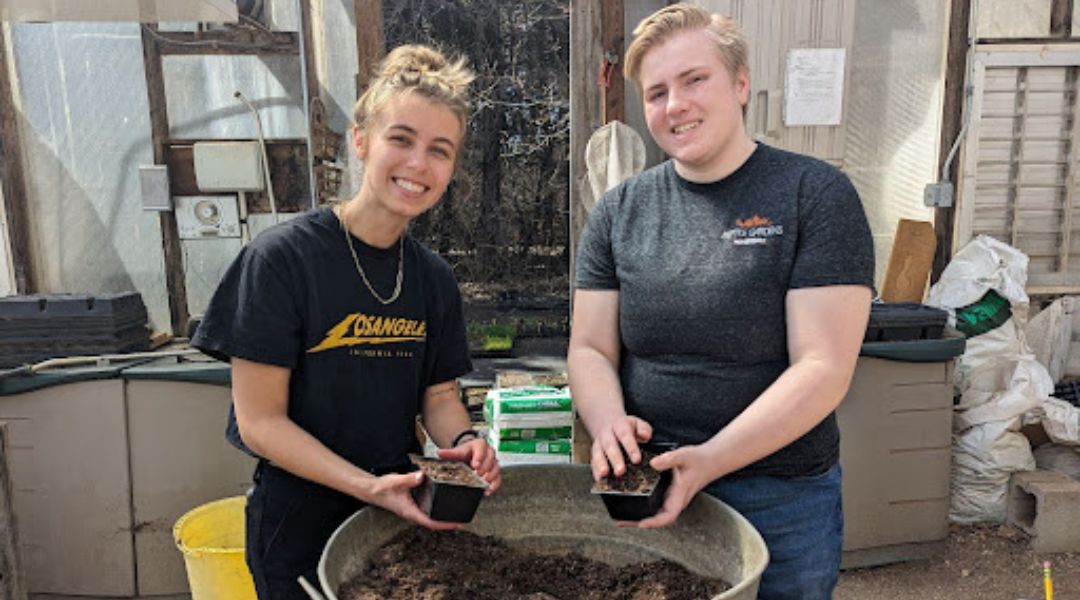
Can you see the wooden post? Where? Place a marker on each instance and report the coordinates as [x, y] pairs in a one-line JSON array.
[[11, 580], [14, 183], [370, 43], [611, 39], [170, 234], [586, 116], [312, 83], [955, 81]]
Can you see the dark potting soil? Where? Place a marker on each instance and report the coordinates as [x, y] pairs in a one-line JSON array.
[[457, 473], [458, 565], [638, 479]]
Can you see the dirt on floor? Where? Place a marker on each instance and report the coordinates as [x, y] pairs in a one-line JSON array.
[[980, 562]]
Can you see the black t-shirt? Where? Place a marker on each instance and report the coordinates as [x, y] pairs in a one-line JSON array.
[[702, 272], [294, 298]]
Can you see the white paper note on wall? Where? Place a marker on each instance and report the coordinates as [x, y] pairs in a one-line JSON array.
[[814, 85]]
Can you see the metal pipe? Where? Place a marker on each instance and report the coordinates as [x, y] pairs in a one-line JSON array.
[[100, 360]]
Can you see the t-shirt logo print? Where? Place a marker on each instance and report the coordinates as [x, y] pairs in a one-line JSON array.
[[359, 329], [753, 230]]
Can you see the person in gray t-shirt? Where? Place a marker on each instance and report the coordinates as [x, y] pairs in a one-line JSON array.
[[720, 302]]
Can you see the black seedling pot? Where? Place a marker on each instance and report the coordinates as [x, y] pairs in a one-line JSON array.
[[451, 491], [645, 501]]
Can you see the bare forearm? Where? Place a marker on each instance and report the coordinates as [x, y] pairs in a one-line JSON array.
[[443, 413], [595, 387], [797, 401]]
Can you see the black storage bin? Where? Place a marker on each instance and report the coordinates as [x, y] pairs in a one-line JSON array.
[[904, 321]]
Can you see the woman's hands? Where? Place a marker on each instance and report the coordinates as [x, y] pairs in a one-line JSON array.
[[394, 493], [622, 434], [691, 472], [480, 457]]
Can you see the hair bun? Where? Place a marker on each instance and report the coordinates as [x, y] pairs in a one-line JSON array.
[[420, 60], [423, 69]]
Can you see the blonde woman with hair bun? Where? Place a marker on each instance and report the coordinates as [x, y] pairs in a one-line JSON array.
[[341, 330]]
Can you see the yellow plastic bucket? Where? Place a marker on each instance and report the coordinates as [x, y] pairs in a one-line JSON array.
[[211, 537]]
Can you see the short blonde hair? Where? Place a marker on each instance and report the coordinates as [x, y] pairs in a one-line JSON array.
[[660, 26], [418, 69]]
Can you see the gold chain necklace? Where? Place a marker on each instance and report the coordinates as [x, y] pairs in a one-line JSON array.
[[360, 270]]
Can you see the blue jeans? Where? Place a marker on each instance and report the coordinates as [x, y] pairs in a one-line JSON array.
[[802, 521]]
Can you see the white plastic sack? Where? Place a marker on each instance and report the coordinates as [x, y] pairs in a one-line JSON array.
[[982, 265], [984, 456], [1059, 459], [984, 351], [1061, 420], [998, 379], [998, 390], [1050, 334]]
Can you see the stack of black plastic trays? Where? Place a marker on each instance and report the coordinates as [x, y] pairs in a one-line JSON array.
[[905, 321], [39, 327]]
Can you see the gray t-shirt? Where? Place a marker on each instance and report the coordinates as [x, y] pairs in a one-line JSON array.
[[702, 271]]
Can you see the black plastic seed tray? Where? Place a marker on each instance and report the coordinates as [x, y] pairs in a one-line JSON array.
[[62, 335], [38, 327], [905, 321], [1068, 391], [72, 305]]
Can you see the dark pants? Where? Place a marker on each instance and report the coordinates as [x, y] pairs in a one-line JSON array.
[[289, 521], [802, 521]]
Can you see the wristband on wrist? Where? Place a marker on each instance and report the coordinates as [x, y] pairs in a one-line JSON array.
[[459, 437]]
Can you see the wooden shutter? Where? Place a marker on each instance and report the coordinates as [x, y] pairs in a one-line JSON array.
[[1019, 171]]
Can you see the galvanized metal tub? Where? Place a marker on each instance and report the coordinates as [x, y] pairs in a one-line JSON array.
[[548, 508]]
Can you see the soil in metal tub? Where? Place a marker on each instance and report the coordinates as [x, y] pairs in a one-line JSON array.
[[421, 564]]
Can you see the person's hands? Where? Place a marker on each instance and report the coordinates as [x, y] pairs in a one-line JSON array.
[[392, 492], [690, 474], [622, 433], [480, 457]]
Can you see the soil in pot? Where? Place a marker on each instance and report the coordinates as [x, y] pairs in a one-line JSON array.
[[421, 564], [451, 491], [636, 494]]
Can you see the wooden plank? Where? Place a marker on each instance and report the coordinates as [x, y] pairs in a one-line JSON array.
[[170, 235], [1016, 181], [312, 76], [12, 584], [240, 41], [613, 95], [910, 262], [1061, 16], [1069, 197], [16, 210], [370, 40], [952, 122]]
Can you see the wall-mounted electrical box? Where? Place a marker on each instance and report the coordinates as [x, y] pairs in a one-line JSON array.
[[228, 167], [207, 217]]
